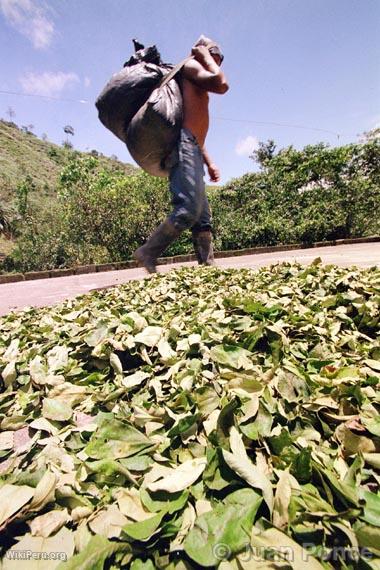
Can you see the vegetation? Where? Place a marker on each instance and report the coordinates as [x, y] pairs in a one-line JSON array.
[[24, 154], [318, 193], [26, 160], [98, 216], [200, 419], [88, 209]]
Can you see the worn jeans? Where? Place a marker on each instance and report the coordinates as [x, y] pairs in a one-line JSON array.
[[190, 205]]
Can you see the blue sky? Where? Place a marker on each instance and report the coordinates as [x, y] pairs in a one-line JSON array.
[[297, 63]]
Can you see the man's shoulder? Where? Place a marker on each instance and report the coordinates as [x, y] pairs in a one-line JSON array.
[[191, 66]]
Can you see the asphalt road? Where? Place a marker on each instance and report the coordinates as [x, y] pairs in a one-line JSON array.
[[44, 292]]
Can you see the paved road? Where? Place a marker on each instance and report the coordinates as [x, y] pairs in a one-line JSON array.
[[45, 292]]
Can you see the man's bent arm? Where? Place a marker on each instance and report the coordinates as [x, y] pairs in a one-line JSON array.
[[205, 73]]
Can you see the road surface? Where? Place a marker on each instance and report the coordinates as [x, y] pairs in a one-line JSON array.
[[44, 292]]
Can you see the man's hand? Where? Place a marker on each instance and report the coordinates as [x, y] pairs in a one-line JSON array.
[[213, 173], [201, 53]]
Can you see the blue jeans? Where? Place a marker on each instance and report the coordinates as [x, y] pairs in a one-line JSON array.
[[190, 205]]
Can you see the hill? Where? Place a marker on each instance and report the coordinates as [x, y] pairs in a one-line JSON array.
[[23, 154]]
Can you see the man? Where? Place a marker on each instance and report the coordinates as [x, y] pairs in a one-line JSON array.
[[200, 75]]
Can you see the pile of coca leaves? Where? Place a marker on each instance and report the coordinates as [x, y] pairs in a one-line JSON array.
[[204, 418]]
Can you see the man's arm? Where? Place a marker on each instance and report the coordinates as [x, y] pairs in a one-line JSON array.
[[211, 167], [205, 72]]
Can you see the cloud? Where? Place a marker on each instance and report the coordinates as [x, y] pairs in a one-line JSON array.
[[48, 83], [246, 146], [87, 82], [30, 18]]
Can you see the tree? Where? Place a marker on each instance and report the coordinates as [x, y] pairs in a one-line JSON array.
[[28, 129], [264, 154], [69, 130], [23, 190], [11, 113]]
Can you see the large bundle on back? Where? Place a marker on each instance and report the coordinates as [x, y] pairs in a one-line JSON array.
[[142, 105]]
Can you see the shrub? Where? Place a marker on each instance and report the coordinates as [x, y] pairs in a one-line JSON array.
[[101, 215], [315, 194], [318, 193]]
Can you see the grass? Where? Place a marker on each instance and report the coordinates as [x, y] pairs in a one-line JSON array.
[[24, 154]]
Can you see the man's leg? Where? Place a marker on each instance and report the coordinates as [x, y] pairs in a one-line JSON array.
[[202, 236], [160, 239], [187, 186], [190, 199], [187, 191]]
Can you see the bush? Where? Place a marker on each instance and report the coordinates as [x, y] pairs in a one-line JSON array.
[[52, 152], [318, 193], [315, 194], [101, 216]]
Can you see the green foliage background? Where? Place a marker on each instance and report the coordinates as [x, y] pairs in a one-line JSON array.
[[318, 193], [100, 214]]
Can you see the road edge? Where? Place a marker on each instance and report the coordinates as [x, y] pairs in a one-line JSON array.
[[99, 268]]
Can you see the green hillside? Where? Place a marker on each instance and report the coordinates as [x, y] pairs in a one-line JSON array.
[[23, 154]]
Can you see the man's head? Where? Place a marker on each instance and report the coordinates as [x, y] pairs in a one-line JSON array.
[[212, 47]]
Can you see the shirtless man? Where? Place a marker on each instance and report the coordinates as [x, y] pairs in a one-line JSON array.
[[200, 75]]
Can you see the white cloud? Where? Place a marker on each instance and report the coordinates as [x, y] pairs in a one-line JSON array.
[[48, 83], [246, 146], [30, 18], [87, 82]]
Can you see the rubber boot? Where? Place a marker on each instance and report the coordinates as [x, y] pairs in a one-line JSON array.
[[204, 251], [161, 238]]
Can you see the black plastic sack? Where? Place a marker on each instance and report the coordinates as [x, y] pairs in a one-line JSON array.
[[140, 112], [153, 131], [125, 93]]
